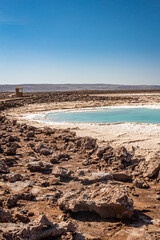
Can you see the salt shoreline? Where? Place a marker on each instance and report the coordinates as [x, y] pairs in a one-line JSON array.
[[143, 136], [40, 116]]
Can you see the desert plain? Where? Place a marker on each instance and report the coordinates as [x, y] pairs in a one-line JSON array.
[[78, 180]]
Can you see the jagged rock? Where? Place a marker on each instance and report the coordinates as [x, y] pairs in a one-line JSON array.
[[11, 151], [33, 159], [41, 228], [42, 149], [9, 161], [48, 131], [133, 163], [109, 201], [101, 151], [54, 158], [61, 172], [132, 234], [109, 153], [51, 196], [30, 134], [14, 177], [12, 138], [5, 215], [122, 176], [15, 145], [3, 167], [140, 184], [17, 187], [11, 201], [30, 214], [39, 146], [85, 236], [86, 162], [9, 129], [14, 122], [39, 166], [1, 150], [30, 154], [121, 153], [45, 151], [21, 217], [118, 156], [31, 144], [88, 143], [63, 156], [153, 166], [94, 177], [82, 172], [31, 128]]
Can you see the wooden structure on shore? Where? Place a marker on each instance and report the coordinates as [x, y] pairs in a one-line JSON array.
[[19, 92]]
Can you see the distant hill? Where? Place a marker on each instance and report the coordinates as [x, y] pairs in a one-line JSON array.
[[72, 87]]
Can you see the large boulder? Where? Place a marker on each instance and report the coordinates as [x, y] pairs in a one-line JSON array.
[[109, 201]]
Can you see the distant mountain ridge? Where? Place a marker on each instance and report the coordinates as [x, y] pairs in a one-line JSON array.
[[74, 87]]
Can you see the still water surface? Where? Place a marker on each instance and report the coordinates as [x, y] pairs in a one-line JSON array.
[[139, 115]]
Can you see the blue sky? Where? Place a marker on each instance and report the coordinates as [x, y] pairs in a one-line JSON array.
[[80, 41]]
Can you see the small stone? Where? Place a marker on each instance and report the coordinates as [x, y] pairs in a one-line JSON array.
[[21, 217], [5, 215], [3, 167], [45, 151], [12, 201], [39, 166]]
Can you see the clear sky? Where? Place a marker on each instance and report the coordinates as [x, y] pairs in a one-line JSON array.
[[80, 41]]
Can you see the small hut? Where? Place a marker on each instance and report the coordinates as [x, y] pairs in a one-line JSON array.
[[19, 92]]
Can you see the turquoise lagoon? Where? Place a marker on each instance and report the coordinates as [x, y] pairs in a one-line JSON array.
[[109, 115]]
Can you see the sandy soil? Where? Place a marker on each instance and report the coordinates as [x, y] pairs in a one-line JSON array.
[[144, 137]]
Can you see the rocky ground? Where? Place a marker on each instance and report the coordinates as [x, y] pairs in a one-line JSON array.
[[8, 100], [56, 185]]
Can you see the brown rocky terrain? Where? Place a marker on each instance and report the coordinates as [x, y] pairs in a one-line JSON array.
[[56, 185], [8, 100]]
